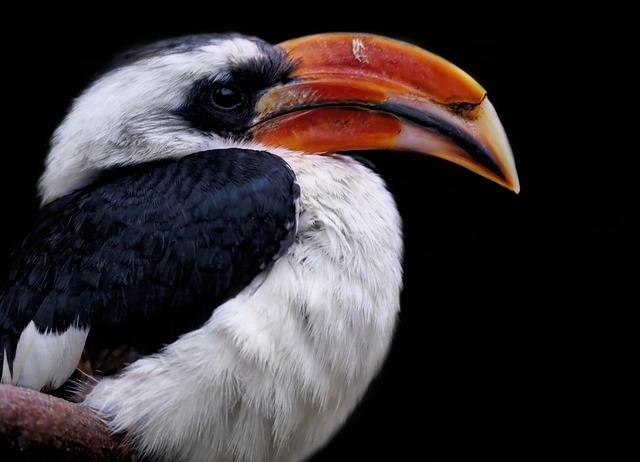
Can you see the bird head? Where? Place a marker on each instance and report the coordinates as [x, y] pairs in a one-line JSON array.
[[318, 94]]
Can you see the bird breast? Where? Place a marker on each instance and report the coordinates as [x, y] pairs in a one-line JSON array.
[[277, 369]]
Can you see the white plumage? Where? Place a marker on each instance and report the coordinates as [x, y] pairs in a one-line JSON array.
[[45, 360], [277, 369], [127, 117]]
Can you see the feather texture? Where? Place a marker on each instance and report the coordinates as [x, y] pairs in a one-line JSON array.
[[277, 369], [142, 256]]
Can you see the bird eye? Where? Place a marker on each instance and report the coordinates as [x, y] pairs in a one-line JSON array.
[[227, 97]]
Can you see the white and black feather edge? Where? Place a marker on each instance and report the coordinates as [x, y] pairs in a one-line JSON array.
[[145, 254]]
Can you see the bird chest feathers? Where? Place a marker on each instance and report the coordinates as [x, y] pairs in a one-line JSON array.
[[291, 354]]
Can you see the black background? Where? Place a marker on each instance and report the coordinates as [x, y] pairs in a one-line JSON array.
[[506, 311]]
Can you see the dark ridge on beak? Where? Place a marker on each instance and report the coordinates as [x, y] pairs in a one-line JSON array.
[[477, 151]]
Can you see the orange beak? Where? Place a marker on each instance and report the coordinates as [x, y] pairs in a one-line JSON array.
[[359, 91]]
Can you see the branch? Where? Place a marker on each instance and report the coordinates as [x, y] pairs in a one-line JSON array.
[[36, 426]]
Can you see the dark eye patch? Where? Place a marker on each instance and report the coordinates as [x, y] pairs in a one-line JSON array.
[[226, 106], [270, 69], [208, 107]]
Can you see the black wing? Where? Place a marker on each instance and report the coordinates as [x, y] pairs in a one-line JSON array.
[[147, 253]]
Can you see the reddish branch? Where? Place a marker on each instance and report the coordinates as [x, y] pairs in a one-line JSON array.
[[35, 426]]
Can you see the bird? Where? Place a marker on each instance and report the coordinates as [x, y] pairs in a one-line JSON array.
[[211, 263]]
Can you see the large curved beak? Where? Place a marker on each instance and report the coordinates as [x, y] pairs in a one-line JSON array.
[[360, 91]]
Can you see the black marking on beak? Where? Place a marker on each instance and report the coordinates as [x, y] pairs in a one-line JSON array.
[[477, 151]]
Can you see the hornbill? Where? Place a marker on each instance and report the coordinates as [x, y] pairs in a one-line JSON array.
[[218, 282]]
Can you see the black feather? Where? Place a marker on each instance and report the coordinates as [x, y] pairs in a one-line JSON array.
[[148, 252]]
